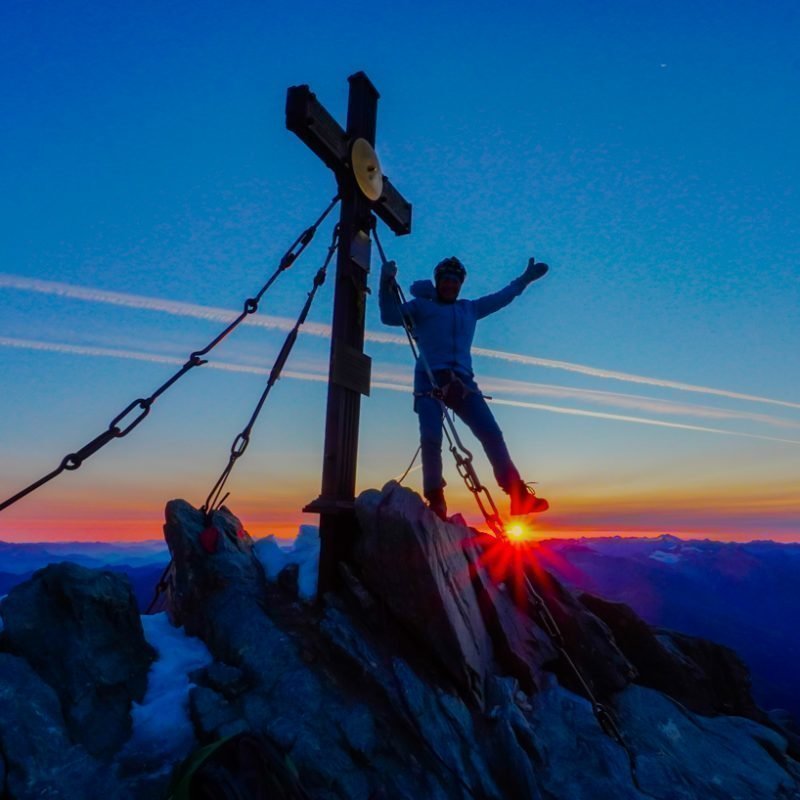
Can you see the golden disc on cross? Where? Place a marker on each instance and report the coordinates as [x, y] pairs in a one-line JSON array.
[[367, 169]]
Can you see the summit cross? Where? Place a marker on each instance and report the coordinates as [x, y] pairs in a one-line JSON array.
[[349, 368]]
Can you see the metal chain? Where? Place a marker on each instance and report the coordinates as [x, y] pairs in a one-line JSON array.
[[213, 500], [242, 440], [116, 430], [463, 459]]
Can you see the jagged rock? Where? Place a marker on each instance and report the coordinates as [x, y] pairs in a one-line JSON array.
[[229, 681], [521, 648], [587, 639], [357, 590], [438, 719], [301, 696], [683, 756], [36, 754], [80, 630], [706, 677], [445, 583], [415, 563], [358, 730], [288, 579], [578, 761], [360, 701], [198, 587], [512, 744], [212, 716], [726, 680]]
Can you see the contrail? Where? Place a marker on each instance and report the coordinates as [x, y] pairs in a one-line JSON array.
[[507, 386], [322, 377], [640, 420], [153, 358], [631, 401], [274, 322], [596, 372]]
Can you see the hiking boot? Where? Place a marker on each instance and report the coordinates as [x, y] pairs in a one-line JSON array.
[[436, 503], [525, 501]]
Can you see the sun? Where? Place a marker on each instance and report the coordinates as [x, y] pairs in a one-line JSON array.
[[519, 532]]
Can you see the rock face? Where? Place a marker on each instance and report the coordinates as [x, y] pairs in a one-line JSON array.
[[431, 674], [416, 564], [37, 757], [703, 676], [353, 717], [81, 632]]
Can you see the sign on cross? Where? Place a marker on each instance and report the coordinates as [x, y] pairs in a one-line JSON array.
[[349, 367]]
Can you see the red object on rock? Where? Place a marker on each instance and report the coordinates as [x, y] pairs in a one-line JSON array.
[[209, 539]]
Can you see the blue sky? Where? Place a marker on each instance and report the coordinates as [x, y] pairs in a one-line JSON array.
[[646, 152]]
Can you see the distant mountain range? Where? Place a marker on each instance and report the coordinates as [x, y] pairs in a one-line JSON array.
[[745, 596], [142, 562]]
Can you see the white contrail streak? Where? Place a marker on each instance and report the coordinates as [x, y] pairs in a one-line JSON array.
[[153, 358], [322, 377], [274, 322], [596, 372], [635, 402], [640, 420], [506, 386]]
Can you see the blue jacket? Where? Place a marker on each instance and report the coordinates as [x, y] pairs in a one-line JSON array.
[[445, 330]]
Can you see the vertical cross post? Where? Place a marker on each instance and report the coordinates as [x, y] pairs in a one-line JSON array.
[[349, 367]]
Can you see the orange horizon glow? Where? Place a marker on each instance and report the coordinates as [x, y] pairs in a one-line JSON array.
[[689, 513], [286, 526]]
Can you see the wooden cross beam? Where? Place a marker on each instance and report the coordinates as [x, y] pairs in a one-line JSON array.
[[349, 368]]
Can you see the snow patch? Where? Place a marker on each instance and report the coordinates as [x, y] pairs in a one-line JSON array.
[[666, 558], [162, 730], [304, 552]]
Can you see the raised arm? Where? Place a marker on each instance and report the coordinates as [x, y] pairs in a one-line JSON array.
[[494, 302], [391, 313]]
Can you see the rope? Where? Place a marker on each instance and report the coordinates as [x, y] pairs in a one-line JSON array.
[[408, 468], [162, 585], [463, 458], [116, 429]]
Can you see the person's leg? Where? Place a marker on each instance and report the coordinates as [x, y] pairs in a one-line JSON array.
[[477, 415], [475, 412], [429, 411]]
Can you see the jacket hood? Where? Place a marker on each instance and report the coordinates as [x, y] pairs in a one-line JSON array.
[[423, 289]]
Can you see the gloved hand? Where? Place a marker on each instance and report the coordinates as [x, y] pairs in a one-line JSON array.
[[534, 271], [388, 271]]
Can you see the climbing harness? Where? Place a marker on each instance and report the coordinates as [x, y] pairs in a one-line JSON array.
[[466, 469], [450, 389], [141, 407]]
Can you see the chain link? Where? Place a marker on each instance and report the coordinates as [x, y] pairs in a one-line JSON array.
[[240, 443], [73, 461]]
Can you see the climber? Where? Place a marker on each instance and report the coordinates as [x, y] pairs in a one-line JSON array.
[[445, 326]]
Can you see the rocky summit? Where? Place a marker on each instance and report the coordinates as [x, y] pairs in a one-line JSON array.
[[448, 666]]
